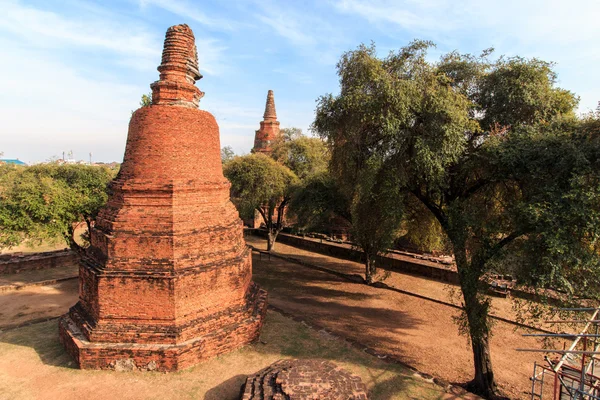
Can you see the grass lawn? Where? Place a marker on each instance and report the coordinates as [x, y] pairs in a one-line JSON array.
[[33, 365]]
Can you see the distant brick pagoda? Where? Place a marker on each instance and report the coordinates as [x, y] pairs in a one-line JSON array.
[[304, 380], [168, 280], [269, 128]]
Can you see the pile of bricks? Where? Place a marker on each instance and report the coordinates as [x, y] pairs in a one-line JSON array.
[[304, 380], [168, 281]]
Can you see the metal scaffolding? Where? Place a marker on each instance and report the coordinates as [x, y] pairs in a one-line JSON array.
[[573, 375]]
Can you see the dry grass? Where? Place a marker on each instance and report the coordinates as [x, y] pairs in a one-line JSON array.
[[33, 365]]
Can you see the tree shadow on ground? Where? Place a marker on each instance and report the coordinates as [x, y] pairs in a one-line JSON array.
[[347, 309], [217, 392], [43, 338]]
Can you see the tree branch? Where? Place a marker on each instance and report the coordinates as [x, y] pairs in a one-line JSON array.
[[435, 210], [262, 213], [475, 187], [500, 245]]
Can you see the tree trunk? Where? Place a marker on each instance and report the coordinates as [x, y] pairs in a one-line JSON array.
[[370, 268], [477, 319], [271, 237], [72, 243], [483, 382]]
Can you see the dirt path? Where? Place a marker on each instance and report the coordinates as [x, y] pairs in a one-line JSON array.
[[501, 307], [37, 302], [421, 332]]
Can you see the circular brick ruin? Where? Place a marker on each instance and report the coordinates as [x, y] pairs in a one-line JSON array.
[[303, 380]]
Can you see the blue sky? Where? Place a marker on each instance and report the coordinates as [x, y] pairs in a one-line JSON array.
[[72, 71]]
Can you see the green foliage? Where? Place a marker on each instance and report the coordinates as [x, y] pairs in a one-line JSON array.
[[304, 155], [146, 100], [260, 183], [257, 180], [318, 202], [377, 211], [490, 148], [44, 201], [421, 230], [227, 154]]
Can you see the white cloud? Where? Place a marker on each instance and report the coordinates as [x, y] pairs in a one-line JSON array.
[[50, 30], [191, 11], [53, 108], [305, 30], [286, 26], [565, 32]]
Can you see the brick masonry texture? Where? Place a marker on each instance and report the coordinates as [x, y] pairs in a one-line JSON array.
[[13, 264], [167, 281], [269, 127], [304, 380]]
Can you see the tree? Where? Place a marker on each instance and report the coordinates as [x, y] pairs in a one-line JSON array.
[[46, 201], [467, 138], [377, 211], [146, 100], [318, 201], [304, 155], [260, 183], [227, 154]]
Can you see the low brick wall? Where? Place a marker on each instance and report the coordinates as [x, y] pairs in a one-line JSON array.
[[416, 267], [393, 264], [12, 264]]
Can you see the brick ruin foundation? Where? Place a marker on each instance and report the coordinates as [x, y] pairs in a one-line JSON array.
[[168, 279], [303, 380]]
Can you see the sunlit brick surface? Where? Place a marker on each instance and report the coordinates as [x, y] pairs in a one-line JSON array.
[[167, 281]]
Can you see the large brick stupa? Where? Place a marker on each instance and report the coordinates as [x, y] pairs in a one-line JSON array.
[[167, 281]]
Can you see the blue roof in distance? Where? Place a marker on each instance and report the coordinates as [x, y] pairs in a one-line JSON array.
[[11, 161]]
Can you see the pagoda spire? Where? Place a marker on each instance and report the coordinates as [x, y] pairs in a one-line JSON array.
[[178, 70], [269, 127], [270, 113]]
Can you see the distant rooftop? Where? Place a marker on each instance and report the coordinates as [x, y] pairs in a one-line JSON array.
[[12, 161]]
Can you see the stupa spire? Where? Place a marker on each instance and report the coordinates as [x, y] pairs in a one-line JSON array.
[[270, 113], [269, 127], [178, 70]]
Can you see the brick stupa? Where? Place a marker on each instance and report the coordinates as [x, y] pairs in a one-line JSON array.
[[168, 279], [269, 127]]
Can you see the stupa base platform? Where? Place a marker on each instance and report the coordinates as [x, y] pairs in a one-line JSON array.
[[161, 357]]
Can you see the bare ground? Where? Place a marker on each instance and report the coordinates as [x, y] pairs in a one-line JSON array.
[[33, 365], [420, 332]]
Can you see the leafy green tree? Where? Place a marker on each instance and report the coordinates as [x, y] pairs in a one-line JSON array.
[[260, 183], [377, 211], [304, 155], [318, 201], [468, 138], [46, 201], [227, 154], [146, 100]]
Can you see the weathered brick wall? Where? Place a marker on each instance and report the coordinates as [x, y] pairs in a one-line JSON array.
[[12, 264], [417, 268], [403, 266]]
